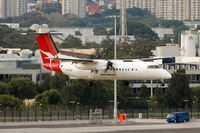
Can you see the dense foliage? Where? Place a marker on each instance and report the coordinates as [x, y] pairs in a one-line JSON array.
[[178, 90], [10, 38], [53, 17]]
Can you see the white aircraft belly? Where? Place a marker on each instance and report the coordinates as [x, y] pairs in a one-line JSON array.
[[134, 73]]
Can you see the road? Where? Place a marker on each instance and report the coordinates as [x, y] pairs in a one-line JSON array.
[[140, 126]]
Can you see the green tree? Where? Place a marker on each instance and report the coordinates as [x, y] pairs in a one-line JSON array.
[[51, 10], [11, 38], [140, 29], [4, 88], [159, 97], [178, 90], [80, 91], [71, 42], [143, 92], [108, 49], [31, 18], [49, 98], [9, 101], [196, 96], [124, 94], [91, 45], [56, 81], [23, 88], [100, 31]]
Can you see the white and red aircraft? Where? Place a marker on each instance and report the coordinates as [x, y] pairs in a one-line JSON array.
[[93, 69]]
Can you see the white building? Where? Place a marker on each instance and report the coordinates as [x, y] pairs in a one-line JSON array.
[[166, 51], [163, 32], [12, 8], [21, 63], [11, 25], [189, 44], [76, 7]]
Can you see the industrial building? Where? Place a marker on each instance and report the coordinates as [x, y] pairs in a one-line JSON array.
[[21, 63], [87, 34], [186, 56]]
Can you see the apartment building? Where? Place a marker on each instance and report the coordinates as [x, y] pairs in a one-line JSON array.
[[76, 7], [167, 9], [144, 4], [12, 8], [2, 9]]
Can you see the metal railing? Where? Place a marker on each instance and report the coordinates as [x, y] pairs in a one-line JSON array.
[[21, 115]]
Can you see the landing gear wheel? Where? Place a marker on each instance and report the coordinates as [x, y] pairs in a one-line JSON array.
[[91, 83]]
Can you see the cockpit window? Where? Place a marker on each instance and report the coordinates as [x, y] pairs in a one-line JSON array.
[[153, 67], [157, 66], [150, 67]]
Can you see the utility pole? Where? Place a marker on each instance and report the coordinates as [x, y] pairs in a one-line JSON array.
[[123, 20], [115, 81]]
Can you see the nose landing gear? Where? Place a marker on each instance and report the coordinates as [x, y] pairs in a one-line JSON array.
[[162, 83]]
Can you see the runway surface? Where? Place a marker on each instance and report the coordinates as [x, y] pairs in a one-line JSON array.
[[78, 126]]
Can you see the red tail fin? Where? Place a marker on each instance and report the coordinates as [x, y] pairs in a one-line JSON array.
[[48, 51]]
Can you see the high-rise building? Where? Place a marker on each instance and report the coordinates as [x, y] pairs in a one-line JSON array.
[[2, 8], [167, 9], [77, 7], [12, 8]]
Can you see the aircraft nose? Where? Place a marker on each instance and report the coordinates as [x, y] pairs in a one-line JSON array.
[[167, 75]]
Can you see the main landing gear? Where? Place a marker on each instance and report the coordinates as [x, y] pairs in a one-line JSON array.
[[91, 83]]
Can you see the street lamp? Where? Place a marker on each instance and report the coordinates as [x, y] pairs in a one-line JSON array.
[[148, 108], [185, 101], [155, 102], [77, 104], [72, 102], [40, 107], [110, 101], [193, 102], [0, 107]]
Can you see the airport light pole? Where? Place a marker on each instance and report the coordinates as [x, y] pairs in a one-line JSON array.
[[115, 57], [115, 81]]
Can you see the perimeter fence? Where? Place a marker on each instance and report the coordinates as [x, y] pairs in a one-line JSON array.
[[40, 114]]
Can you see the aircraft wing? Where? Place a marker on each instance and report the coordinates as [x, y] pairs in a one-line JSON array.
[[88, 64], [83, 61], [156, 58]]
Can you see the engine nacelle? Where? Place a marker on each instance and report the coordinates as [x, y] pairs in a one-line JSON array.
[[97, 65]]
